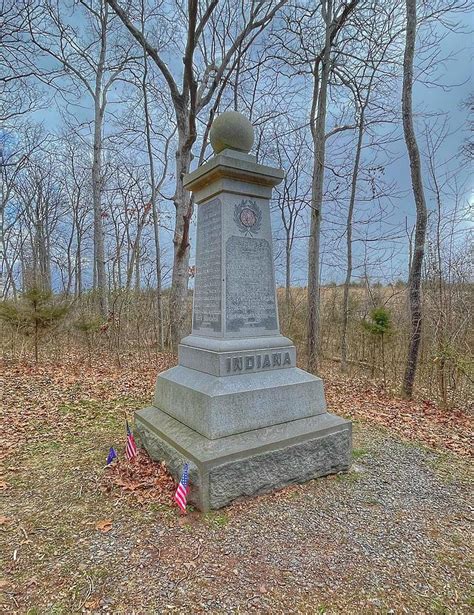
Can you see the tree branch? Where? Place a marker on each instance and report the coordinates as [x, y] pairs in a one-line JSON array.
[[252, 25], [152, 52]]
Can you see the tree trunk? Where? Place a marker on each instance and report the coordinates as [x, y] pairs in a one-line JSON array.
[[137, 273], [36, 338], [41, 264], [350, 214], [288, 280], [154, 209], [134, 257], [318, 133], [78, 266], [383, 361], [188, 103], [99, 250], [414, 281], [184, 210]]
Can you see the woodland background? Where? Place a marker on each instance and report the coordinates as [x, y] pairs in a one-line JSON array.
[[105, 105]]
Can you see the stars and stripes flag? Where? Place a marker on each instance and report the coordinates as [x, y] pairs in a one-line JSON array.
[[183, 489], [131, 449]]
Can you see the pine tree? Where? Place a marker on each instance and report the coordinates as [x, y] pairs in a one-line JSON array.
[[379, 325], [33, 314]]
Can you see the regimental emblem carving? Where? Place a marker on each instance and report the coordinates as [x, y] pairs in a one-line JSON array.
[[248, 217]]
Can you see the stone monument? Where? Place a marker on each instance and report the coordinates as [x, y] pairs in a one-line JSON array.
[[236, 407]]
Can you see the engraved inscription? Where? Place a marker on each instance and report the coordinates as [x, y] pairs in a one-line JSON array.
[[250, 293], [261, 361], [207, 308]]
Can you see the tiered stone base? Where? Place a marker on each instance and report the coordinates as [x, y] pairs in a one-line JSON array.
[[218, 407], [249, 463]]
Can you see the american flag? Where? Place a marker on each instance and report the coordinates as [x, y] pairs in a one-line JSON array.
[[131, 450], [183, 489]]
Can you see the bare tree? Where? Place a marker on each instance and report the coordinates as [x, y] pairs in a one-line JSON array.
[[19, 94], [91, 66], [39, 194], [334, 20], [467, 148], [447, 292], [194, 94], [15, 155], [364, 79], [292, 196], [77, 188], [155, 182], [414, 280]]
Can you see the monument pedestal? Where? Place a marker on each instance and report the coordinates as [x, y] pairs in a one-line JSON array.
[[249, 463], [237, 408]]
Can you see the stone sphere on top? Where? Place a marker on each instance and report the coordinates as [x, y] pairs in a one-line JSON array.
[[231, 130]]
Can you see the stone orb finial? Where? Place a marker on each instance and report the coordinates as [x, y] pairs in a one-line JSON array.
[[231, 130]]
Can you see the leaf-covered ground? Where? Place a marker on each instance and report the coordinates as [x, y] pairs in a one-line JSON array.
[[390, 536]]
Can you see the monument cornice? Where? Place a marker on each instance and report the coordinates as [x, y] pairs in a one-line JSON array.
[[231, 165]]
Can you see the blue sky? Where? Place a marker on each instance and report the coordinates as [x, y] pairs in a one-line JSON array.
[[432, 104]]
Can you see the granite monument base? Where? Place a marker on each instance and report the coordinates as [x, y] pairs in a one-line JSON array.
[[219, 407], [249, 463]]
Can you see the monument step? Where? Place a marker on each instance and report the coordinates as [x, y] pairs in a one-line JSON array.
[[217, 407], [236, 361], [248, 463]]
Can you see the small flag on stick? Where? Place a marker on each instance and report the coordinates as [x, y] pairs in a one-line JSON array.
[[183, 489], [111, 456], [131, 449]]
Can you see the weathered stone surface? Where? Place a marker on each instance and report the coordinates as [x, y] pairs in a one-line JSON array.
[[250, 463], [231, 130], [250, 288], [296, 463], [244, 343], [234, 295], [237, 362], [201, 449], [216, 407], [207, 305], [161, 450], [232, 172]]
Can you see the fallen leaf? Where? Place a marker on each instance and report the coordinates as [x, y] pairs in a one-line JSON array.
[[145, 480], [183, 520], [4, 520], [104, 525]]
